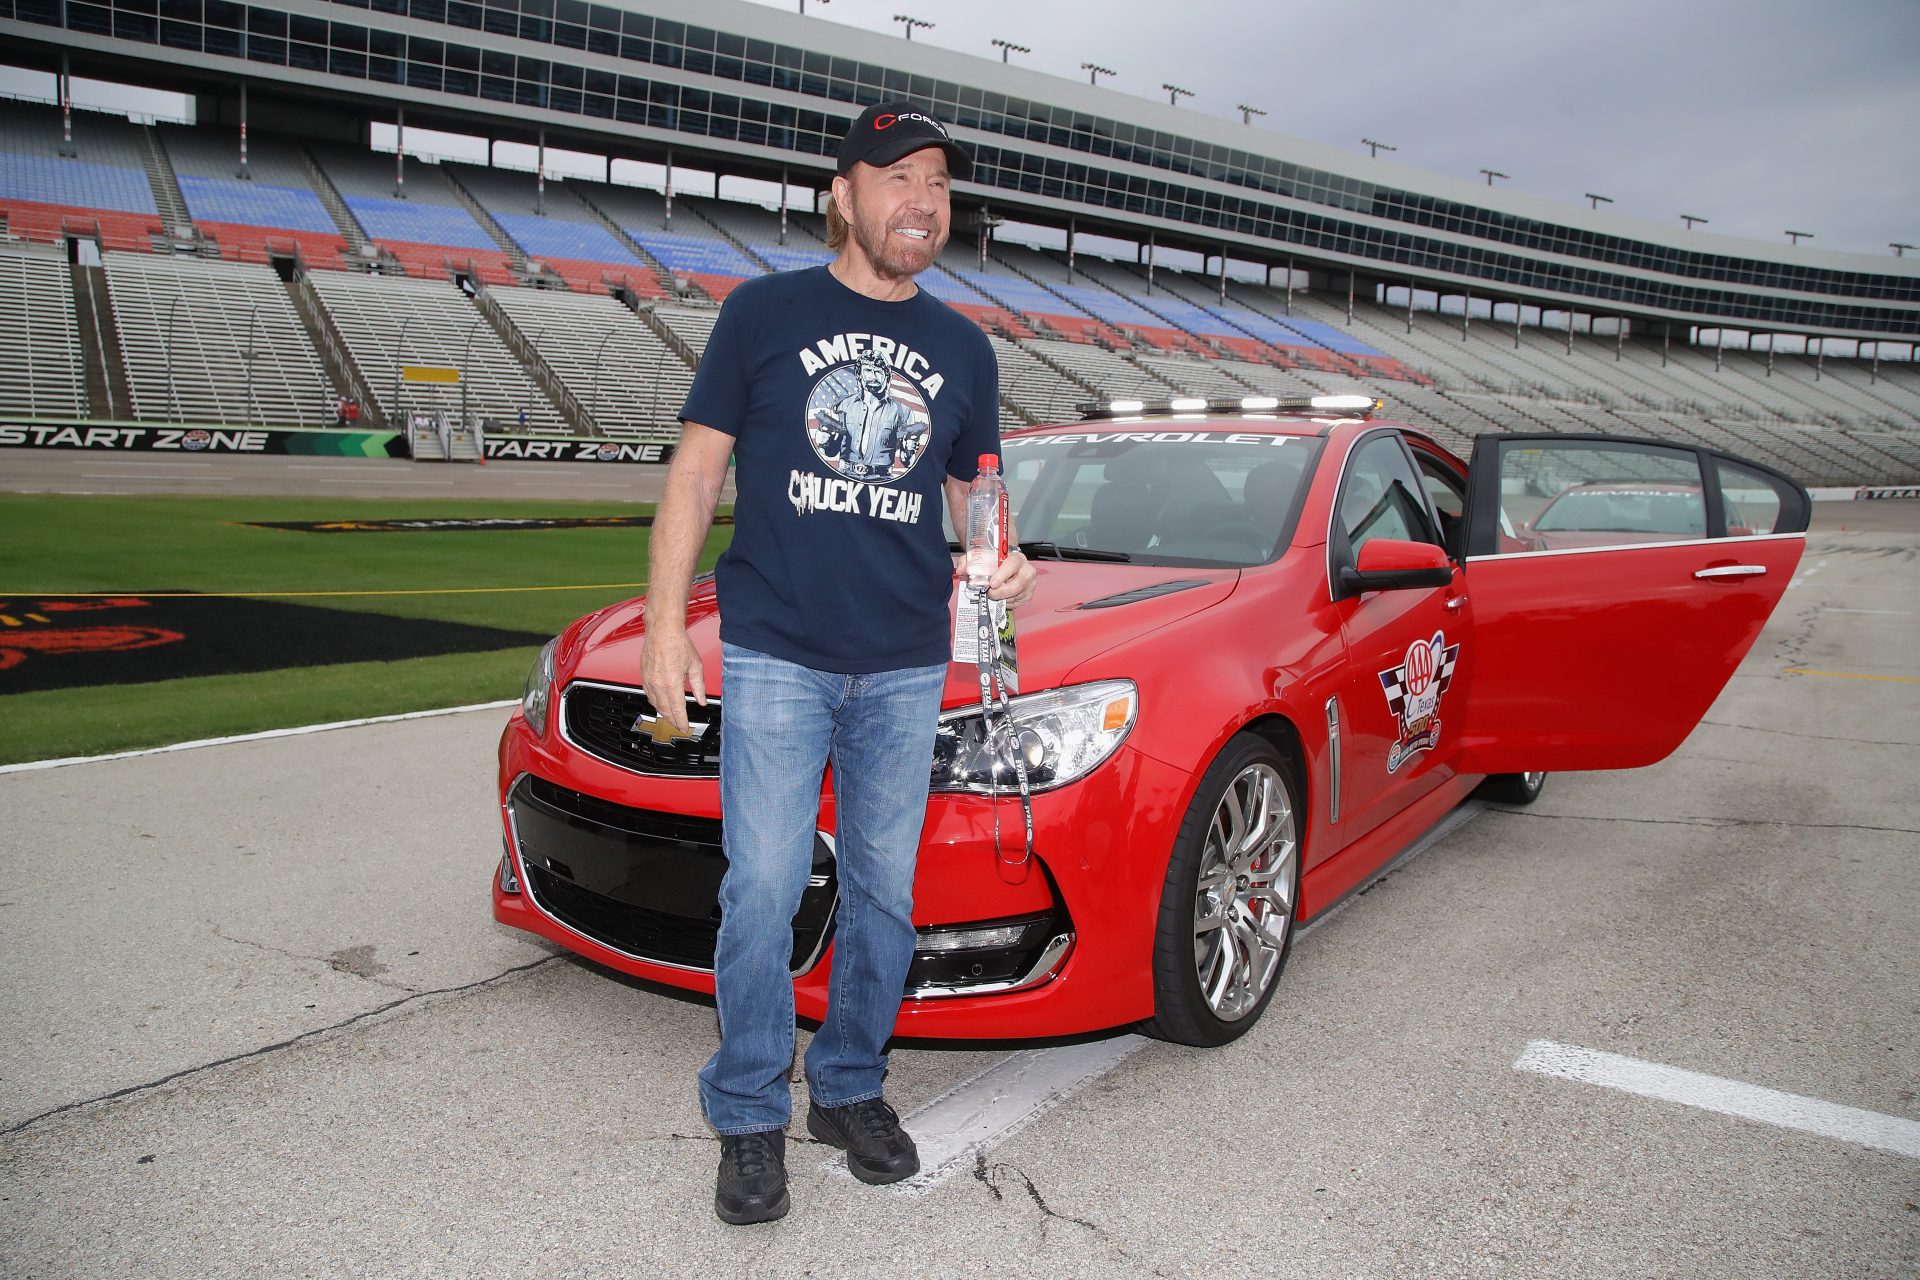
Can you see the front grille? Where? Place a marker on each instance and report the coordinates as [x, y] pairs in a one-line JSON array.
[[644, 882], [605, 720]]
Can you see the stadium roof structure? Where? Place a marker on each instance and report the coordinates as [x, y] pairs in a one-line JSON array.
[[750, 90]]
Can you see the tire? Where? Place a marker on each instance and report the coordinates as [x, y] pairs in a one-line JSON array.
[[1513, 788], [1232, 890]]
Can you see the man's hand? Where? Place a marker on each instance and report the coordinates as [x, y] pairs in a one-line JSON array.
[[1014, 580], [669, 666]]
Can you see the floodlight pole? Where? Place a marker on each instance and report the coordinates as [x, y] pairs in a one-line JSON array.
[[400, 153], [1599, 200], [1899, 248], [1797, 236], [1375, 147], [803, 4], [540, 175], [1494, 173], [1175, 93], [1094, 71], [1008, 46], [1247, 113], [911, 23], [1691, 218]]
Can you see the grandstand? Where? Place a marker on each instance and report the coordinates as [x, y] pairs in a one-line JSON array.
[[319, 267]]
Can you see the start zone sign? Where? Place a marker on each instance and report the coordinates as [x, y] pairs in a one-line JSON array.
[[573, 449], [123, 437]]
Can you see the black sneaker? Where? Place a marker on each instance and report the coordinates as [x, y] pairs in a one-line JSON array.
[[878, 1149], [753, 1178]]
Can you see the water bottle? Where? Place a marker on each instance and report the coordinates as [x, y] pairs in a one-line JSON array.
[[986, 522]]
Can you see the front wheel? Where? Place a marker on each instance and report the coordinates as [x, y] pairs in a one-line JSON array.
[[1228, 904]]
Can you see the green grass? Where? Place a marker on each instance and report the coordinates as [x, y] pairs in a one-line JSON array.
[[524, 580]]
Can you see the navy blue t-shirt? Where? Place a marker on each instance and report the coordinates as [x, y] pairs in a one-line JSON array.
[[847, 416]]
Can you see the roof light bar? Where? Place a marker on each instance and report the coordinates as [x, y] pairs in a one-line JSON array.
[[1353, 406]]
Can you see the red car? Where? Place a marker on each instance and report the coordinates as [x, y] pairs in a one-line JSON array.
[[1272, 643]]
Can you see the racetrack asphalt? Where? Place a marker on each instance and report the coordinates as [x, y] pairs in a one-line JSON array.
[[261, 1024]]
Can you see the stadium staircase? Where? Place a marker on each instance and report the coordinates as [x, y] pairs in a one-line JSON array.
[[534, 360], [179, 226], [497, 233], [662, 285], [108, 395], [331, 347], [359, 243]]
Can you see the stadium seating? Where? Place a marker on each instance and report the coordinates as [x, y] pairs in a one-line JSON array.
[[1106, 329], [427, 230], [214, 342], [42, 369], [275, 211], [386, 322], [560, 232], [627, 379], [101, 190]]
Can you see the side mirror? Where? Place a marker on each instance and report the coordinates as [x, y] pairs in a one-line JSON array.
[[1388, 564]]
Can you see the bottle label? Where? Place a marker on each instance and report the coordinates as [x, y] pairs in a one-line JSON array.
[[967, 604]]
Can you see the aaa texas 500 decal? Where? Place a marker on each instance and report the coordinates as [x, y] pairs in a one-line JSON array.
[[1413, 691]]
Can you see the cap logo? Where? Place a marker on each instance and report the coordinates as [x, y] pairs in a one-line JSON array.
[[884, 122]]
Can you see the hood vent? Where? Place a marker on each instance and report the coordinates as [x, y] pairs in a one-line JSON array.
[[1144, 593]]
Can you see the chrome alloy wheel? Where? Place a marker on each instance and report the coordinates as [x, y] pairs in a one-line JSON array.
[[1243, 904]]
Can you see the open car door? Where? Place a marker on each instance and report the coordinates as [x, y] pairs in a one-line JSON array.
[[1615, 586]]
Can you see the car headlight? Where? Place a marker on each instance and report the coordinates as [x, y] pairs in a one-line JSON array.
[[534, 698], [1061, 734]]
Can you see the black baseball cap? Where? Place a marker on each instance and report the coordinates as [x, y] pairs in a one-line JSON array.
[[886, 131]]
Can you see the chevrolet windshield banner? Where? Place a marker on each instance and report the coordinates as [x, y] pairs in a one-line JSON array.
[[121, 437]]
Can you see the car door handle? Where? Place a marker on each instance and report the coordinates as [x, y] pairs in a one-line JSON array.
[[1454, 603], [1732, 571]]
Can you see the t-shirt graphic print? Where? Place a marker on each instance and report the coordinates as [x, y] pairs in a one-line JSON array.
[[867, 421]]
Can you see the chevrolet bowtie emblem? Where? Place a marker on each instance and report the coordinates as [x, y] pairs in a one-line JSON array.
[[661, 730]]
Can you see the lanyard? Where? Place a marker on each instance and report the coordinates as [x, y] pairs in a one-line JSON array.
[[999, 720]]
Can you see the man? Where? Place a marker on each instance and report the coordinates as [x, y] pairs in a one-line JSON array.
[[834, 637]]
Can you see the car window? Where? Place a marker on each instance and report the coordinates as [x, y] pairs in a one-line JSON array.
[[1380, 497], [1559, 495], [1447, 491], [1751, 500], [1166, 497]]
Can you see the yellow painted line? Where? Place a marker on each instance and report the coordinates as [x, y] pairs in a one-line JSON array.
[[282, 595], [1851, 675]]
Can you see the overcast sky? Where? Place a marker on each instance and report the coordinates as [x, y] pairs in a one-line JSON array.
[[1759, 115]]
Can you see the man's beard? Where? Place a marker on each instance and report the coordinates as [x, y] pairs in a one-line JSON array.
[[896, 258]]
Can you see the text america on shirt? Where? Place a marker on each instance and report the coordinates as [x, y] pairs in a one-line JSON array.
[[868, 420]]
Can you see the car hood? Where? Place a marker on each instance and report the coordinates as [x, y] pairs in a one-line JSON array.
[[1078, 611]]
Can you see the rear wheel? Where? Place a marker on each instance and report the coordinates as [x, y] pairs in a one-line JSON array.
[[1227, 907], [1513, 788]]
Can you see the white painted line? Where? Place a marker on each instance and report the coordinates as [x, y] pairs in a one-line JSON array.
[[1728, 1097], [1884, 613], [955, 1127], [1806, 573], [171, 465], [30, 765], [386, 480]]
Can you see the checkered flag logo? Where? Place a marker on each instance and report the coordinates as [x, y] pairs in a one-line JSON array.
[[1417, 670]]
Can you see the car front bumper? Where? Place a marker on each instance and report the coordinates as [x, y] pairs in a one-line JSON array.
[[623, 870]]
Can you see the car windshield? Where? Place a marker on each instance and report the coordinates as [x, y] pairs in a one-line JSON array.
[[1202, 497], [1625, 511]]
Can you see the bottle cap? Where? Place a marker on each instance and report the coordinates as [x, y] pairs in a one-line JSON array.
[[990, 460]]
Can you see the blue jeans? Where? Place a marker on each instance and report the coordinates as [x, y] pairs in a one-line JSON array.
[[782, 725]]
